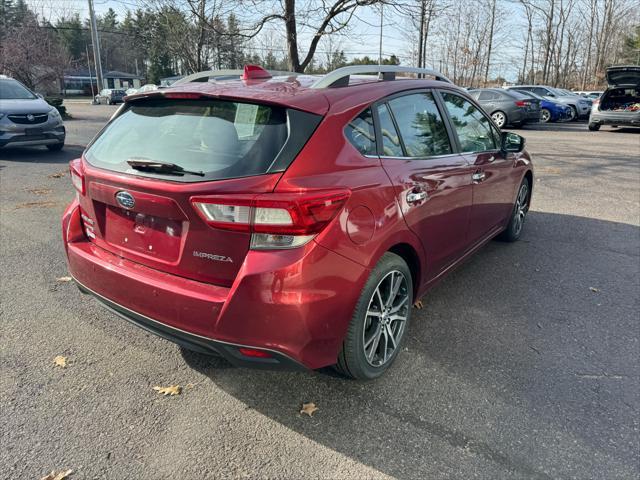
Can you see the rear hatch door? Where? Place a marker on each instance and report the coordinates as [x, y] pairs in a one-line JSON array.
[[228, 148], [628, 75]]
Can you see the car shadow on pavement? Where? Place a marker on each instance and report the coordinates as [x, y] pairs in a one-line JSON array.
[[41, 154], [524, 359]]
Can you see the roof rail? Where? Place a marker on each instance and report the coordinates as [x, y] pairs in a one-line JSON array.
[[340, 76], [223, 75]]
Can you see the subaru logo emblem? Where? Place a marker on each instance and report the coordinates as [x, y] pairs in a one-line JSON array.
[[125, 200], [30, 117]]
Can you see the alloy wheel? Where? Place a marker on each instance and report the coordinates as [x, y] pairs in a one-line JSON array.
[[500, 118], [522, 206], [386, 318], [545, 116]]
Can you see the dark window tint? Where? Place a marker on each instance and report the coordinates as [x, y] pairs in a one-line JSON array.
[[473, 128], [12, 90], [488, 95], [540, 91], [220, 138], [390, 141], [361, 133], [420, 124]]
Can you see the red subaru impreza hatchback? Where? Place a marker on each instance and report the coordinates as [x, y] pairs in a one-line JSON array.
[[290, 222]]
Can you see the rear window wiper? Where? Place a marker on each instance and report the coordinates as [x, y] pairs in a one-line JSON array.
[[161, 167]]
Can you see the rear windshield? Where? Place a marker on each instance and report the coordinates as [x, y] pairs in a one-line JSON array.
[[221, 139]]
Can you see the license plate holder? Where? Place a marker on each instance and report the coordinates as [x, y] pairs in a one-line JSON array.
[[33, 131]]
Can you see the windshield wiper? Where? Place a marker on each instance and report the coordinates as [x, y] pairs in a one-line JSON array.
[[161, 167]]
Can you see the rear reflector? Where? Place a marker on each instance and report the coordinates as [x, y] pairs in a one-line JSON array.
[[252, 352], [77, 179]]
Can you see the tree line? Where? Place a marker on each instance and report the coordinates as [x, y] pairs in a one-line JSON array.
[[566, 43]]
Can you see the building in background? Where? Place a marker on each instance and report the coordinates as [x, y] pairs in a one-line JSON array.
[[78, 82]]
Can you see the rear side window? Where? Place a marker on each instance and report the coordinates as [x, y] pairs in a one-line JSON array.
[[361, 133], [420, 123], [472, 126], [391, 146], [222, 139], [488, 95]]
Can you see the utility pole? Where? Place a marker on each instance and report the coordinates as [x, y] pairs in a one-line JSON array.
[[96, 46], [93, 95], [381, 22]]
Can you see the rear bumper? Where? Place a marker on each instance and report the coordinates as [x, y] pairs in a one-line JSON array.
[[613, 118], [196, 342], [295, 304]]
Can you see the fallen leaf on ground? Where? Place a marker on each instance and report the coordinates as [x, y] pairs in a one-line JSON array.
[[309, 408], [171, 390], [60, 361], [64, 279], [594, 289], [418, 304], [57, 476], [57, 175]]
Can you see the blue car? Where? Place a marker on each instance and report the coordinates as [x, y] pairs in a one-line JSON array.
[[550, 111]]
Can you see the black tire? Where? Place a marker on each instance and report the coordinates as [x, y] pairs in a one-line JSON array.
[[352, 361], [574, 114], [56, 147], [594, 127], [518, 214]]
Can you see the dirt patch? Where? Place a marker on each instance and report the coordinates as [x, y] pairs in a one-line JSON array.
[[57, 175]]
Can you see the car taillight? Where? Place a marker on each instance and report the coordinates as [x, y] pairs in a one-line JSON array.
[[595, 102], [521, 103], [77, 178], [275, 220]]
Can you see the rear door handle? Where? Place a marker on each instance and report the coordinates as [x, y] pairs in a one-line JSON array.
[[415, 197], [478, 177]]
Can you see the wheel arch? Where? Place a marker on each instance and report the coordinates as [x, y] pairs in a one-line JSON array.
[[408, 253]]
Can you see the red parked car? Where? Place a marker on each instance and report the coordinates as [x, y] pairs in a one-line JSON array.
[[290, 222]]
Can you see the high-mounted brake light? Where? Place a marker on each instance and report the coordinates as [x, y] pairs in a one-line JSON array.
[[254, 72], [275, 220], [182, 95], [77, 178]]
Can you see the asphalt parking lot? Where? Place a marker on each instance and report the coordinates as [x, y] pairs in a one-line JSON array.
[[524, 363]]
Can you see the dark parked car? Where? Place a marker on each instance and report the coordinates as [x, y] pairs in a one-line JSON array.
[[26, 119], [110, 96], [291, 222], [580, 106], [550, 110], [619, 105], [507, 107]]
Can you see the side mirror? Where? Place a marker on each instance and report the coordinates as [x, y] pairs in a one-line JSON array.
[[512, 142], [551, 94]]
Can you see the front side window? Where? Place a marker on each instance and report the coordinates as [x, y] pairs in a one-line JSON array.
[[472, 126], [361, 133], [391, 146], [220, 139], [420, 123]]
